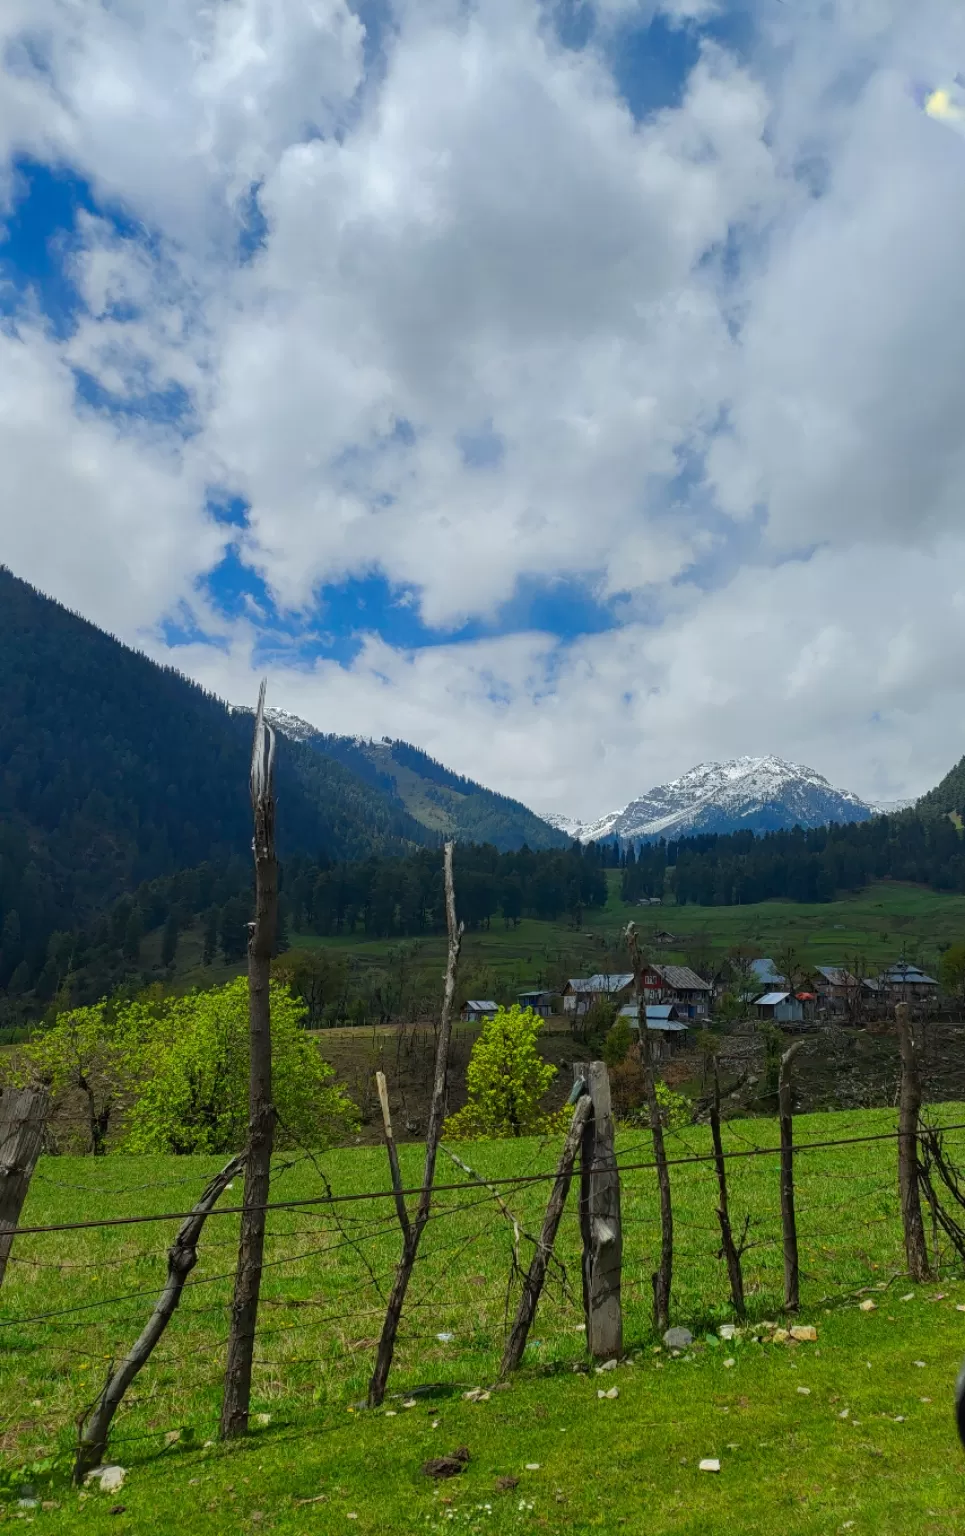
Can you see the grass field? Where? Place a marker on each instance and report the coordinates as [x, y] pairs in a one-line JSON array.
[[851, 1429], [879, 924]]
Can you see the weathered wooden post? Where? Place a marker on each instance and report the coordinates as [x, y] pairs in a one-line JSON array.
[[788, 1215], [413, 1229], [662, 1278], [916, 1250], [730, 1249], [533, 1284], [600, 1225], [261, 1121], [94, 1426], [23, 1114]]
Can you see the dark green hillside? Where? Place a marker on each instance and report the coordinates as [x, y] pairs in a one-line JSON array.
[[114, 771], [444, 802], [948, 797]]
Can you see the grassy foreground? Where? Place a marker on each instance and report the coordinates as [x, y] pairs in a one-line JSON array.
[[853, 1428]]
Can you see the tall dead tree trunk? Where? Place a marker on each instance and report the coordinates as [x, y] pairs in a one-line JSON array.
[[182, 1257], [663, 1277], [413, 1229], [916, 1250], [730, 1250], [23, 1115], [788, 1216], [261, 1122]]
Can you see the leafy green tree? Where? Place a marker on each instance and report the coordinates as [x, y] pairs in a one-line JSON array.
[[318, 977], [617, 1044], [506, 1079], [87, 1051], [953, 971], [194, 1090], [133, 932]]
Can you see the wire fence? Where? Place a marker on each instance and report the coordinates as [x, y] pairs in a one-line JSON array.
[[89, 1260]]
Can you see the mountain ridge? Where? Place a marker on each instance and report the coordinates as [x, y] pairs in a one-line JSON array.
[[759, 794]]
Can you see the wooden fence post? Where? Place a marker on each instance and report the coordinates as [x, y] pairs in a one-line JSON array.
[[600, 1224], [533, 1284], [94, 1426], [662, 1279], [261, 1121], [916, 1250], [23, 1114], [412, 1229], [731, 1250], [788, 1217]]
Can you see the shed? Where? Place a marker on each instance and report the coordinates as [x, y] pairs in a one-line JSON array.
[[766, 974], [477, 1010], [662, 1023], [540, 1002], [781, 1007]]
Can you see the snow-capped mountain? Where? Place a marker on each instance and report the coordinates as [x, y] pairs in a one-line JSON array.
[[758, 794]]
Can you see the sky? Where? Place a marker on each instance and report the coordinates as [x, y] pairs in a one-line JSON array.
[[576, 390]]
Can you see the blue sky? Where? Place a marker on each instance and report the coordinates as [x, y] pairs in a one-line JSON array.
[[478, 368]]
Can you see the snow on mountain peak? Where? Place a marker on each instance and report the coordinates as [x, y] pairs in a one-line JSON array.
[[761, 794]]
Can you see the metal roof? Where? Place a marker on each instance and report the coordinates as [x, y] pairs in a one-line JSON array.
[[681, 977], [909, 975], [765, 970], [771, 999], [481, 1005], [835, 974], [654, 1011], [602, 982]]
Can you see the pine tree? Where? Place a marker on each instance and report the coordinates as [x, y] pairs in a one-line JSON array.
[[169, 941]]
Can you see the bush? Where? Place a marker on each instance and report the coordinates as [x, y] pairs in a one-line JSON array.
[[617, 1044], [506, 1079]]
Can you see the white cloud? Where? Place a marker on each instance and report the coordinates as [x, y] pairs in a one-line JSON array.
[[481, 243]]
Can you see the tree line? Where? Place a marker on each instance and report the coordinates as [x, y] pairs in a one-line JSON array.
[[805, 865]]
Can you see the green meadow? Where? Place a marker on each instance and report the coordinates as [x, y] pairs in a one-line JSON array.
[[852, 1432]]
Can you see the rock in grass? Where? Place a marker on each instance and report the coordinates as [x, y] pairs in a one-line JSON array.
[[110, 1478], [678, 1338], [804, 1334], [447, 1466], [709, 1464], [506, 1484], [868, 1306]]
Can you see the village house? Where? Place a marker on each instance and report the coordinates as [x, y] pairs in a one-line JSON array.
[[667, 1031], [665, 938], [765, 975], [540, 1002], [835, 988], [905, 983], [679, 985], [477, 1011], [581, 992], [781, 1008]]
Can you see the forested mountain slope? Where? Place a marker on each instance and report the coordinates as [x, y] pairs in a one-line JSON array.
[[114, 771]]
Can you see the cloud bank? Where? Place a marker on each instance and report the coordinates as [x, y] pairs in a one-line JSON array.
[[429, 299]]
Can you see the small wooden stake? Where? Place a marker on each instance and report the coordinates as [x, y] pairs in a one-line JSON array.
[[23, 1114], [732, 1253], [392, 1152], [788, 1217], [533, 1284], [600, 1224], [916, 1250]]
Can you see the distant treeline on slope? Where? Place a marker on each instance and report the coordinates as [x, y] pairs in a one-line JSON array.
[[399, 897], [799, 865]]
